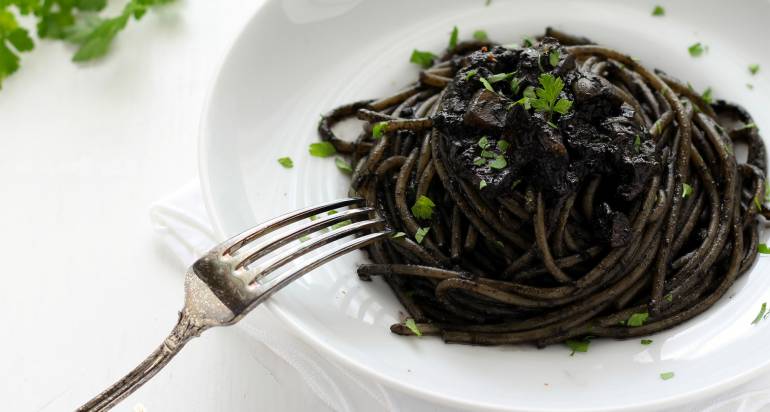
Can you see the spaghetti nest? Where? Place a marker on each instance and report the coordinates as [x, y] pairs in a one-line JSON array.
[[553, 192]]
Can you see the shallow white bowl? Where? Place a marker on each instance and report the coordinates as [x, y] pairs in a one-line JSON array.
[[298, 58]]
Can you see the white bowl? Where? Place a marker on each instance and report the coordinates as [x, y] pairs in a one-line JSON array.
[[298, 58]]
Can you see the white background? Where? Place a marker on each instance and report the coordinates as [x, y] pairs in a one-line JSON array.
[[87, 290]]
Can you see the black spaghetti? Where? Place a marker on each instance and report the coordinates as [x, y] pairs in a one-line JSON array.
[[553, 192]]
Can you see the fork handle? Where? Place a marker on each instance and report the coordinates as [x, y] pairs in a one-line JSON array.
[[183, 332]]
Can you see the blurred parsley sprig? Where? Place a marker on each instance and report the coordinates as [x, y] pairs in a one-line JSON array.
[[74, 21]]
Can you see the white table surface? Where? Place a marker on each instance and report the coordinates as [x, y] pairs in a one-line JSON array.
[[88, 289]]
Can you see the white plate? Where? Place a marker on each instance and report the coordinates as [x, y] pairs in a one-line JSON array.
[[299, 58]]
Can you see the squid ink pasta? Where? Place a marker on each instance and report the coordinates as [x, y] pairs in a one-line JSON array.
[[554, 191]]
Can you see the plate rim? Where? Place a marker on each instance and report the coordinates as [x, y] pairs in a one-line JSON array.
[[379, 377]]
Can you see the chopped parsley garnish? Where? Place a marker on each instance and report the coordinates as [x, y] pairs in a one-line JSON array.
[[666, 375], [498, 163], [483, 142], [515, 82], [423, 207], [658, 11], [487, 154], [706, 96], [304, 239], [696, 50], [322, 149], [503, 145], [470, 74], [286, 162], [646, 341], [760, 314], [341, 224], [527, 41], [554, 58], [757, 203], [420, 234], [547, 96], [753, 68], [480, 35], [482, 184], [422, 58], [412, 326], [486, 84], [515, 183], [763, 249], [379, 129], [686, 190], [398, 235], [332, 212], [343, 165], [500, 77], [453, 38], [749, 86], [637, 143], [637, 319], [479, 161], [668, 298], [577, 345]]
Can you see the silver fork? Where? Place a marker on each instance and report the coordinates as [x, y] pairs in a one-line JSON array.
[[221, 287]]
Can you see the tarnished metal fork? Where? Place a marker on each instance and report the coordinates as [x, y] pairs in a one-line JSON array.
[[222, 286]]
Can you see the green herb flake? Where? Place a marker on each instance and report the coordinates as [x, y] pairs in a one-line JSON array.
[[646, 342], [753, 69], [343, 165], [423, 207], [668, 298], [487, 154], [577, 345], [706, 96], [658, 11], [398, 235], [332, 212], [483, 142], [757, 203], [453, 38], [527, 41], [420, 234], [637, 319], [515, 183], [666, 375], [322, 149], [696, 50], [637, 143], [304, 239], [500, 77], [378, 129], [480, 35], [749, 86], [498, 163], [763, 249], [412, 326], [486, 84], [503, 145], [286, 162], [760, 314], [515, 83], [470, 74], [479, 161], [686, 190], [423, 59], [482, 184], [553, 58], [341, 224]]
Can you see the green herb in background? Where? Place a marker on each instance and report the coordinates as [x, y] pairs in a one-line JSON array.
[[422, 58], [286, 162], [686, 190], [696, 50], [480, 35], [646, 342], [420, 234], [753, 68], [453, 38], [760, 314], [577, 345], [658, 11], [637, 319], [410, 323], [666, 375], [322, 149], [343, 165], [73, 21], [706, 96], [763, 249], [423, 207]]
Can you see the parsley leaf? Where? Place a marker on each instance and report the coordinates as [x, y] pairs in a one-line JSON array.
[[423, 207], [378, 129], [398, 235], [410, 323], [498, 163], [658, 11], [646, 341], [480, 35], [483, 142], [547, 99], [482, 184], [500, 77], [341, 224], [757, 203], [686, 190], [503, 145], [286, 162], [753, 68], [668, 298], [322, 149], [343, 165], [515, 83], [763, 249], [527, 41], [479, 161], [486, 84], [453, 38], [637, 319], [666, 375], [420, 234], [706, 96], [554, 58], [760, 314], [637, 143], [696, 50], [577, 345], [422, 58], [470, 74]]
